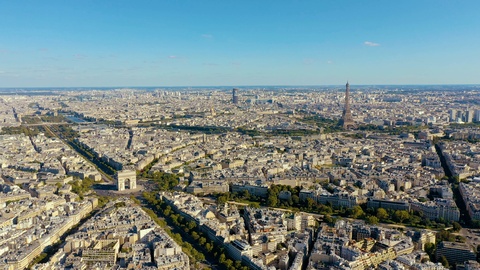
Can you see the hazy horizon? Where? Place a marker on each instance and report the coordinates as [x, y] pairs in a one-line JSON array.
[[228, 87]]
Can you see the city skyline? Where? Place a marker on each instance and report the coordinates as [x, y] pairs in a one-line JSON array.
[[325, 178], [192, 44]]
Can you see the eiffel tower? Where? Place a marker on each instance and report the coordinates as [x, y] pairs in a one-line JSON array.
[[347, 120]]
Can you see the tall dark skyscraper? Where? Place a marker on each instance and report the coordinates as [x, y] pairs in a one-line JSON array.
[[347, 120], [235, 96]]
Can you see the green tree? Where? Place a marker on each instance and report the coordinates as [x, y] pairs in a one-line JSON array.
[[228, 263], [272, 200], [174, 218], [414, 219], [222, 199], [382, 214], [310, 203], [457, 179], [445, 235], [443, 260], [58, 185], [328, 219], [295, 199], [401, 215], [254, 204], [167, 210], [459, 239], [222, 258], [456, 226], [208, 247], [325, 209], [191, 225], [372, 220], [199, 256], [245, 194], [356, 211], [430, 250]]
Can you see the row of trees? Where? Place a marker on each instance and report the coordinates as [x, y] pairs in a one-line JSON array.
[[293, 132], [393, 130], [371, 216], [409, 218], [87, 153], [66, 131], [310, 205], [49, 251], [272, 199], [145, 172], [158, 209], [28, 131], [69, 135], [328, 125], [203, 129], [191, 230], [250, 132]]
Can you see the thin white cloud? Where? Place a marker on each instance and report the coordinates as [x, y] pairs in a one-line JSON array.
[[51, 58], [308, 61], [8, 74], [172, 56], [207, 36], [329, 62], [80, 56], [371, 44], [41, 70]]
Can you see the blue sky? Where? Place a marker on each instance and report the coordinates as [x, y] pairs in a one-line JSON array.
[[269, 42]]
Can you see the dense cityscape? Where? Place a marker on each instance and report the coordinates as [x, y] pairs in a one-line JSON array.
[[238, 135], [333, 177]]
